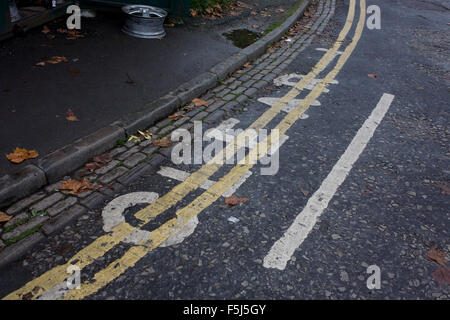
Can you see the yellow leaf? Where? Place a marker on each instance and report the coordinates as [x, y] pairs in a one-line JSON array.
[[19, 155], [4, 217]]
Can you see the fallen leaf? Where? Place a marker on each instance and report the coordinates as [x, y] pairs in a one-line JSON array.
[[92, 166], [70, 116], [145, 134], [4, 217], [255, 26], [57, 59], [253, 13], [76, 187], [445, 186], [233, 200], [74, 72], [372, 76], [51, 36], [247, 65], [19, 155], [199, 102], [174, 116], [133, 137], [164, 142], [437, 256], [103, 159], [45, 30], [243, 5], [442, 275], [304, 191], [193, 12], [41, 64]]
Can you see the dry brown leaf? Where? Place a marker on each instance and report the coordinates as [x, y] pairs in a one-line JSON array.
[[74, 72], [445, 187], [243, 5], [41, 64], [199, 102], [4, 217], [372, 75], [19, 155], [442, 275], [76, 187], [70, 116], [174, 116], [233, 200], [164, 142], [247, 65], [437, 256], [304, 191], [57, 59], [193, 12], [45, 30], [103, 159]]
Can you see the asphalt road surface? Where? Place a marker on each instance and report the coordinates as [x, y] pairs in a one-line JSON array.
[[362, 185]]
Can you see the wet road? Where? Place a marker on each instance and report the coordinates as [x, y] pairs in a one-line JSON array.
[[362, 181]]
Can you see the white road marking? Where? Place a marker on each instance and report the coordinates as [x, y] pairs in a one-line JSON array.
[[112, 214], [293, 78], [230, 123], [290, 106], [180, 175], [282, 251]]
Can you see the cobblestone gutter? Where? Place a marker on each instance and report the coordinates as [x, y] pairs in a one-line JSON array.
[[48, 210]]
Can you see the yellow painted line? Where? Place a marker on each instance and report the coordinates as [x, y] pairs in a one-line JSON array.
[[133, 255], [106, 242]]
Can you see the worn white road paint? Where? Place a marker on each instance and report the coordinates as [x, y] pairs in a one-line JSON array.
[[292, 79], [282, 251], [180, 235], [113, 212], [289, 107], [180, 175], [230, 123]]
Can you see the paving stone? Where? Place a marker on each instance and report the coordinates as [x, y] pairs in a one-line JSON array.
[[181, 121], [131, 143], [63, 219], [244, 78], [145, 143], [219, 88], [235, 84], [239, 90], [135, 173], [93, 201], [16, 219], [129, 153], [222, 93], [167, 152], [230, 106], [242, 98], [259, 76], [195, 111], [16, 250], [47, 202], [260, 84], [61, 205], [150, 150], [2, 244], [134, 160], [24, 203], [215, 116], [53, 187], [270, 77], [111, 165], [216, 105], [114, 152], [251, 92], [163, 123], [113, 174], [25, 227], [229, 97], [166, 130], [187, 126], [199, 116], [249, 83], [111, 190]]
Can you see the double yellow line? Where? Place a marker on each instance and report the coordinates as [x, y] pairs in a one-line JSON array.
[[106, 242]]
